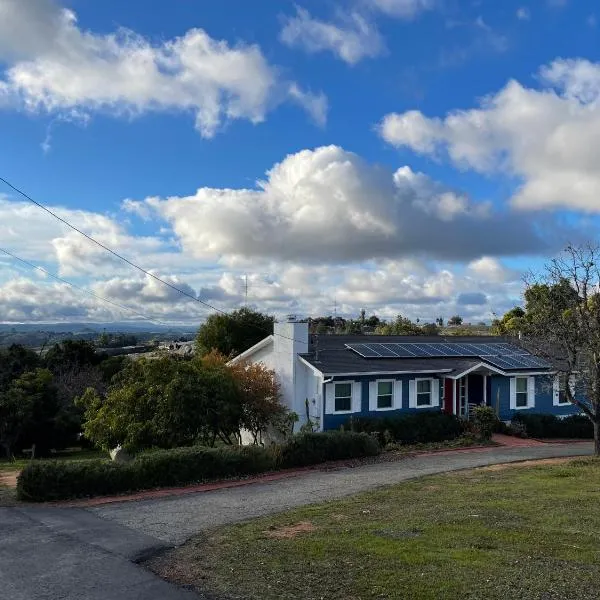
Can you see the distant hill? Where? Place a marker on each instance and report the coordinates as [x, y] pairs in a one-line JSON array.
[[41, 334]]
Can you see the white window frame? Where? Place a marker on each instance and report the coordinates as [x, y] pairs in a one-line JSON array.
[[556, 389], [343, 412], [431, 392], [530, 379]]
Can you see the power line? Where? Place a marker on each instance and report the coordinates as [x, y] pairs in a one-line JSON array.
[[76, 287], [126, 260]]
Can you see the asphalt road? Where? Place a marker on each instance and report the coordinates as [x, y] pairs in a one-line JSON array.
[[51, 553]]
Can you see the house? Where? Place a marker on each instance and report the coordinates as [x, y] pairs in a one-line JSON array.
[[330, 378]]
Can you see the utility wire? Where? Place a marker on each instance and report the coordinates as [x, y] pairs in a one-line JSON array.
[[76, 287], [126, 260]]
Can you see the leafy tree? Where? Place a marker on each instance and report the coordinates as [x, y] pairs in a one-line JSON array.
[[372, 321], [28, 410], [262, 411], [14, 361], [400, 326], [233, 333], [455, 320], [165, 403], [563, 324], [511, 323], [71, 354]]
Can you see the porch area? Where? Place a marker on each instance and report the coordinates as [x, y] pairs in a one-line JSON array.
[[462, 393]]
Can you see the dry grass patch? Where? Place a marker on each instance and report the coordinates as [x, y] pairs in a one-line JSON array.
[[289, 531]]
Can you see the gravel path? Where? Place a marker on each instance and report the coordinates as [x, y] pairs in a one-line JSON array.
[[174, 520]]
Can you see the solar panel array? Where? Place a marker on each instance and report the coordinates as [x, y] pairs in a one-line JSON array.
[[501, 355]]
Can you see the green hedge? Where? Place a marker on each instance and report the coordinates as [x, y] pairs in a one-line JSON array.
[[550, 426], [59, 480], [49, 480], [414, 428], [313, 448]]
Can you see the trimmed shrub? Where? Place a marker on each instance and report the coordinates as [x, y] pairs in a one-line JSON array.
[[484, 420], [313, 448], [60, 480], [413, 428], [44, 481], [550, 426]]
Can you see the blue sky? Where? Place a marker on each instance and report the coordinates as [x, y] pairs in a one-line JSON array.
[[407, 173]]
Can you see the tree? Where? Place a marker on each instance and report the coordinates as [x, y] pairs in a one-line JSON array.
[[400, 326], [165, 403], [14, 361], [71, 354], [233, 333], [511, 323], [27, 412], [562, 323], [261, 399], [455, 320]]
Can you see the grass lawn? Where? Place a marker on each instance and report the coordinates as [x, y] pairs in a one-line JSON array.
[[530, 532]]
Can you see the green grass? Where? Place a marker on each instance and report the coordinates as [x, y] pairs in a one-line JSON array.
[[72, 454], [528, 532]]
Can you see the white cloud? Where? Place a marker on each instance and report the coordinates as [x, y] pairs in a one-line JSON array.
[[490, 270], [330, 205], [56, 66], [523, 13], [315, 105], [403, 9], [351, 37], [541, 136]]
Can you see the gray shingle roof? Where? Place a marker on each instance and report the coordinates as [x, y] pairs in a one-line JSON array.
[[329, 354]]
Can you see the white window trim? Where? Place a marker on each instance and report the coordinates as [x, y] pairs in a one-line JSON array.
[[556, 389], [343, 412], [396, 395], [530, 392], [433, 401]]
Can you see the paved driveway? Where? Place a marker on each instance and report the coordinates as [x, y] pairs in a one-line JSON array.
[[51, 553]]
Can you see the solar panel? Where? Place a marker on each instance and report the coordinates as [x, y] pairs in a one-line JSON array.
[[501, 355]]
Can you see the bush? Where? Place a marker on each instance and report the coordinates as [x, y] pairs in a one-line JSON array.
[[313, 448], [59, 480], [43, 481], [484, 419], [415, 428], [550, 426]]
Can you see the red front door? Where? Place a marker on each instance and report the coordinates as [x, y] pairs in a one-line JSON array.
[[449, 396]]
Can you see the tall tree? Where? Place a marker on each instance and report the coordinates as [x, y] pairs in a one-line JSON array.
[[563, 324], [455, 320], [233, 333], [511, 323]]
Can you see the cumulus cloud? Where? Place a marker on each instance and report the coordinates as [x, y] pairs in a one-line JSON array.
[[540, 135], [350, 37], [57, 67], [330, 205], [523, 13]]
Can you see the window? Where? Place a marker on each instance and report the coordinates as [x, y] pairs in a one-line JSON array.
[[424, 392], [522, 392], [562, 389], [343, 397], [385, 394]]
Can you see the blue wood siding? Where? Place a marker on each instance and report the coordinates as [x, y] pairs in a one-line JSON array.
[[497, 385], [335, 421], [544, 398]]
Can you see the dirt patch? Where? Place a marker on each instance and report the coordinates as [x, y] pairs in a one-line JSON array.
[[526, 463], [8, 478], [290, 531]]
